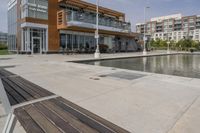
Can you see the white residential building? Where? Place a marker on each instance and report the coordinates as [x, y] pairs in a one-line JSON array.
[[173, 27]]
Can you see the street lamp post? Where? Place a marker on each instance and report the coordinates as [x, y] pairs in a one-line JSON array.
[[168, 49], [144, 38], [168, 42], [97, 54]]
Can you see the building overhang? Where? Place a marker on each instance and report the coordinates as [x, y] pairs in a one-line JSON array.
[[33, 20], [93, 26], [92, 7], [92, 30], [34, 25]]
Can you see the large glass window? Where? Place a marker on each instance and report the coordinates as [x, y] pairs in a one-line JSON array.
[[12, 28], [34, 9]]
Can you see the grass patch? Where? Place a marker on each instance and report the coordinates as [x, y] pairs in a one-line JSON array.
[[4, 52]]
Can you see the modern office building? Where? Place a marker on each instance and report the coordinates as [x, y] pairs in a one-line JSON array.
[[173, 27], [43, 26], [3, 38]]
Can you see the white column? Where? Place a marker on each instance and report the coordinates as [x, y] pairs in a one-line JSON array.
[[144, 39], [22, 40], [97, 52], [47, 45], [28, 40]]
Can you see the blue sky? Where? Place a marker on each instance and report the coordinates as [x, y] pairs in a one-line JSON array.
[[133, 8]]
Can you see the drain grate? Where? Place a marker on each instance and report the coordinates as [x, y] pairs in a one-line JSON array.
[[124, 75]]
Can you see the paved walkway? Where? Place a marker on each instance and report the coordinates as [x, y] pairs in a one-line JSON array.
[[153, 103]]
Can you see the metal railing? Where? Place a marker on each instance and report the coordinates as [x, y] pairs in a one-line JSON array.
[[91, 19]]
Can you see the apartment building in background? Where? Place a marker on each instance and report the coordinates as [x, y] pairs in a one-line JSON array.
[[173, 27], [44, 26], [3, 38]]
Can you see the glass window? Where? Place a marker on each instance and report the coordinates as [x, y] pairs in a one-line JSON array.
[[35, 9]]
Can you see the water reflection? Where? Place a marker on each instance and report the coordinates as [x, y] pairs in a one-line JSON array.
[[179, 65], [144, 63], [97, 63]]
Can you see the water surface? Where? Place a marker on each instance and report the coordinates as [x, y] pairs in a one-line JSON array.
[[185, 65]]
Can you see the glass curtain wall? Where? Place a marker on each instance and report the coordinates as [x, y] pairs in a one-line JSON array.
[[78, 43], [12, 28], [34, 9], [84, 42]]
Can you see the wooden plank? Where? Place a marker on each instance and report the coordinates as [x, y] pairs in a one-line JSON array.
[[5, 73], [25, 88], [83, 128], [58, 121], [1, 75], [11, 100], [100, 127], [40, 119], [23, 93], [13, 93], [27, 122], [31, 87], [108, 124], [35, 87]]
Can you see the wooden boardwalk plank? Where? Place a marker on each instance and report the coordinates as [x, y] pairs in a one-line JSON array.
[[5, 73], [35, 87], [23, 93], [83, 128], [83, 118], [41, 120], [108, 124], [13, 93], [59, 122], [25, 88], [11, 99], [27, 122]]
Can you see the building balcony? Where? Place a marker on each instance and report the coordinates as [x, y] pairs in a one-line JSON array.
[[177, 27], [89, 21], [178, 22], [84, 20], [198, 24], [198, 20]]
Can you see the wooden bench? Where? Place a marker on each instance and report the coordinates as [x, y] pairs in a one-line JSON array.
[[5, 73], [52, 115], [20, 90]]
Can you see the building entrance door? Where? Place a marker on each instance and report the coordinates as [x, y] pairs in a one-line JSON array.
[[36, 45]]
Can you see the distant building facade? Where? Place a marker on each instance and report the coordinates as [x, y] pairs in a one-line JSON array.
[[41, 26], [3, 38], [173, 27]]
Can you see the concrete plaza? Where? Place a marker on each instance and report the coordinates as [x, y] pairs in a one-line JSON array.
[[153, 103]]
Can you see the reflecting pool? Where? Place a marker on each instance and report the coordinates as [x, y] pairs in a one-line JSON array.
[[185, 65]]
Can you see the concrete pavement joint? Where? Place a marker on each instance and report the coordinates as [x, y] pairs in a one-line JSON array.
[[183, 113]]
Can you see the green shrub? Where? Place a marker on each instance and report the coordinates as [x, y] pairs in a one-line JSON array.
[[3, 47], [184, 44]]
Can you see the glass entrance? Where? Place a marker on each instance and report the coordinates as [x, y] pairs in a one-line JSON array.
[[36, 45], [34, 40]]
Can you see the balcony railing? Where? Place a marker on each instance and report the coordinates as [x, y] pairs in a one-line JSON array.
[[90, 18]]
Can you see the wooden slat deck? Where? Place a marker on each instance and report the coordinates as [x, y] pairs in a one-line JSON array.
[[20, 90], [5, 73], [55, 115]]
